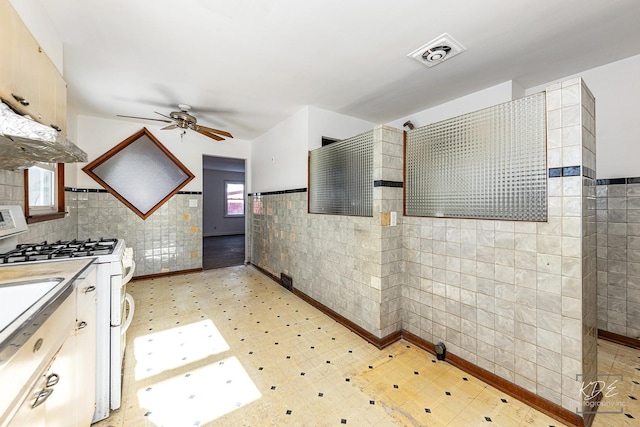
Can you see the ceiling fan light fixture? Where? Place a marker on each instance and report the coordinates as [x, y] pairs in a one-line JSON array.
[[183, 120], [437, 50]]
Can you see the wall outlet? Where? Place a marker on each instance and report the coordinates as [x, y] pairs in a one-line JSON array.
[[394, 219], [193, 203]]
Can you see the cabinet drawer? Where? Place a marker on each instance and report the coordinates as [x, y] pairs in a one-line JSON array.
[[28, 363]]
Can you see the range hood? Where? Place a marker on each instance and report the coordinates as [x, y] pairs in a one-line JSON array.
[[23, 142]]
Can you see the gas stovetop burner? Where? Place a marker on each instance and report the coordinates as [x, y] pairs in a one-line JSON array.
[[26, 252]]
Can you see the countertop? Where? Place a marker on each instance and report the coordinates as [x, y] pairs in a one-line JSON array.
[[26, 290], [42, 270]]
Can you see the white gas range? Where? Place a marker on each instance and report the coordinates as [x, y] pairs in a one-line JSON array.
[[115, 267]]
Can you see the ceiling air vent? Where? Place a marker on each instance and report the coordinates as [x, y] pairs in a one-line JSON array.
[[437, 51]]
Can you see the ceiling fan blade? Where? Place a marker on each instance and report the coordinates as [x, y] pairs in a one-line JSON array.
[[145, 118], [172, 126], [212, 130], [204, 132], [164, 115]]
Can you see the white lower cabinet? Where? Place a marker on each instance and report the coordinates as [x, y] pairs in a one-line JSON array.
[[48, 402], [85, 365], [64, 395]]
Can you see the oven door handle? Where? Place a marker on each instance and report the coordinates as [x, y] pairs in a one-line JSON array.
[[130, 271], [132, 308]]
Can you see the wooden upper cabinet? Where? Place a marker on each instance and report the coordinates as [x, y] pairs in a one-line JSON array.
[[8, 48], [29, 81], [61, 105]]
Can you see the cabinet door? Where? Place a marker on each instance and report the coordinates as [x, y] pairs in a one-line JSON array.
[[50, 402], [46, 102], [27, 84], [86, 350], [8, 49], [61, 406], [26, 72], [32, 412], [61, 104]]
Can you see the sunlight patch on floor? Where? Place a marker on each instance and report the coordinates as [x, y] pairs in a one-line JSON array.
[[162, 351], [199, 396]]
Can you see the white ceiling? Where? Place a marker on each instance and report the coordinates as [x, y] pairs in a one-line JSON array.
[[245, 65]]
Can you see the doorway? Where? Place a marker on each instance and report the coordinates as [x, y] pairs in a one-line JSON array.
[[223, 212]]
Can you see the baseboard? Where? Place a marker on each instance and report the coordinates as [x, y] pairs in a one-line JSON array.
[[619, 339], [541, 404], [358, 330], [266, 273], [165, 274]]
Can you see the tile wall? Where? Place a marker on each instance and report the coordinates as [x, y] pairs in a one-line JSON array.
[[515, 298], [352, 265], [618, 211], [169, 240], [12, 193]]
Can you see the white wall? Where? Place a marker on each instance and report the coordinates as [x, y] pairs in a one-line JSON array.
[[333, 125], [616, 87], [503, 92], [279, 156], [96, 136]]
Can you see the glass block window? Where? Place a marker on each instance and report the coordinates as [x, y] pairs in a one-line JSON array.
[[341, 177], [490, 164]]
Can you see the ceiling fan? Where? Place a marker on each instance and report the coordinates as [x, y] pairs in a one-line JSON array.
[[183, 120]]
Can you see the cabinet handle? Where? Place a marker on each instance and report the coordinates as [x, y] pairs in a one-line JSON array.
[[38, 345], [82, 325], [89, 289], [58, 128], [42, 397], [52, 380], [20, 99]]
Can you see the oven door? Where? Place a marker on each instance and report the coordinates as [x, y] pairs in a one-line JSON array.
[[118, 345], [120, 320], [118, 292]]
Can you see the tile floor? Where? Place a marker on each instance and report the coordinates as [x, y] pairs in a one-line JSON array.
[[230, 347]]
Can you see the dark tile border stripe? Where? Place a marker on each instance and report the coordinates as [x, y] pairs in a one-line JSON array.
[[102, 190], [85, 190], [572, 171], [564, 171], [616, 181], [269, 193], [393, 184], [589, 173], [555, 172]]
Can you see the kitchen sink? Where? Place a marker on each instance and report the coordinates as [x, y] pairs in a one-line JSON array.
[[18, 297]]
